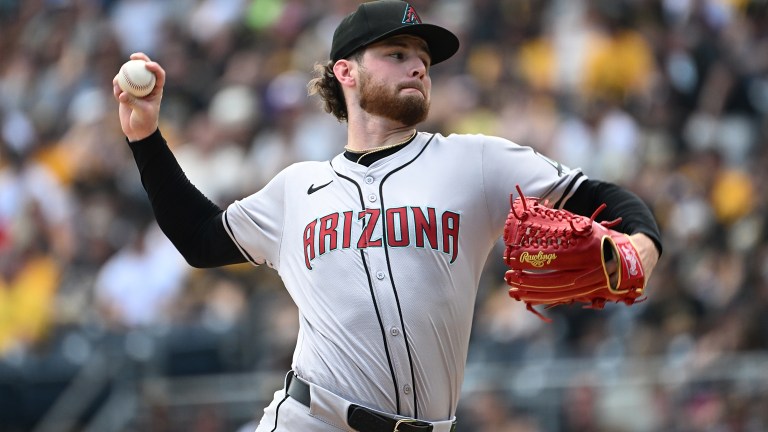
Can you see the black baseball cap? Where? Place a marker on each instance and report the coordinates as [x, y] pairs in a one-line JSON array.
[[377, 20]]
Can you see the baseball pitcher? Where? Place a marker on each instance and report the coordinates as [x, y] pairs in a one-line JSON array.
[[382, 247]]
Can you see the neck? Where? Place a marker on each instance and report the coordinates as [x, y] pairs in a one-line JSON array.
[[381, 151], [363, 136]]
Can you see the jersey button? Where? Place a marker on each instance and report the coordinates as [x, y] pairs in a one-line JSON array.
[[372, 198], [369, 180], [394, 331], [407, 389], [380, 275]]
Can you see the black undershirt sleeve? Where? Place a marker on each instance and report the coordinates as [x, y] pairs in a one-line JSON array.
[[635, 215], [187, 217]]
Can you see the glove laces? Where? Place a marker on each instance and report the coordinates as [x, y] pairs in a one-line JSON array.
[[558, 236]]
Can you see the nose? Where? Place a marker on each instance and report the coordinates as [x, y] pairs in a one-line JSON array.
[[419, 69]]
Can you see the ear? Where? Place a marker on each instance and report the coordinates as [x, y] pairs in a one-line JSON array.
[[346, 72]]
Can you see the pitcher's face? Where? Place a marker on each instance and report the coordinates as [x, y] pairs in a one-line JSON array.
[[394, 80]]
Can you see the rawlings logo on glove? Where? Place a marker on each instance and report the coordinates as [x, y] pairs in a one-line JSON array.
[[538, 260], [558, 257]]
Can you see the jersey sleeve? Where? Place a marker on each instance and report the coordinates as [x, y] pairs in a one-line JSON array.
[[256, 223], [507, 164]]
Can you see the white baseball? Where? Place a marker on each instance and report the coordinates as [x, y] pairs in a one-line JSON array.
[[135, 79]]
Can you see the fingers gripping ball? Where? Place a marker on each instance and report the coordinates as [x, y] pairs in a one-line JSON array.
[[135, 79], [558, 257]]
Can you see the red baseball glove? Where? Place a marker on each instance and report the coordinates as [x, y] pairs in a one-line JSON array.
[[558, 257]]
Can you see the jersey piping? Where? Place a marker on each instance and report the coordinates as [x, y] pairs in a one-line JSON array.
[[568, 190], [237, 243], [391, 276], [375, 303]]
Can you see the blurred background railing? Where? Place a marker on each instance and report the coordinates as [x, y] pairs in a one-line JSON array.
[[112, 392]]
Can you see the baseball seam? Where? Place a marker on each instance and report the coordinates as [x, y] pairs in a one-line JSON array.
[[133, 84]]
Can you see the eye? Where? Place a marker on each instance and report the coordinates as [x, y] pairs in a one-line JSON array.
[[397, 55]]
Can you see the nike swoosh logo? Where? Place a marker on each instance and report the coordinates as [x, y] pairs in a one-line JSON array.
[[312, 189]]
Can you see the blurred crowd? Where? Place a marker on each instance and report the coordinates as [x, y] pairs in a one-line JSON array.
[[666, 97]]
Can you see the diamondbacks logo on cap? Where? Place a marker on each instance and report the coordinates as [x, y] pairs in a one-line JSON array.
[[410, 16]]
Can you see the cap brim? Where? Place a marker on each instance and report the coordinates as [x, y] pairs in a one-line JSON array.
[[442, 43]]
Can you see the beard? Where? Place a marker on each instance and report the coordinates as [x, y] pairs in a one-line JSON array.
[[377, 99]]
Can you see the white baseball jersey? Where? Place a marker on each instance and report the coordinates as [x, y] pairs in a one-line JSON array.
[[384, 261]]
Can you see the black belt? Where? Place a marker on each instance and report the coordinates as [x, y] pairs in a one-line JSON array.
[[358, 417]]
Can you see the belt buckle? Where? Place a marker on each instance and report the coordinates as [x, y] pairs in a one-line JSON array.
[[403, 421]]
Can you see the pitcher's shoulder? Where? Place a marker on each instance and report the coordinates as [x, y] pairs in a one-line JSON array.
[[300, 171], [305, 167], [472, 140]]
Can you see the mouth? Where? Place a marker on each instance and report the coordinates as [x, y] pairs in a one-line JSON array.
[[410, 88]]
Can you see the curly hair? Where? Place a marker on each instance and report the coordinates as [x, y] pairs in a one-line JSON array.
[[328, 87]]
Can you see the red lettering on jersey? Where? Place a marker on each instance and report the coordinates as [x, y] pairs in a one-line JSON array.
[[346, 237], [328, 226], [451, 234], [423, 226], [426, 229], [368, 225], [309, 243], [402, 222]]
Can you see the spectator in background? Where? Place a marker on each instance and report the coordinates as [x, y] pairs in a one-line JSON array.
[[35, 238], [696, 73], [137, 286]]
